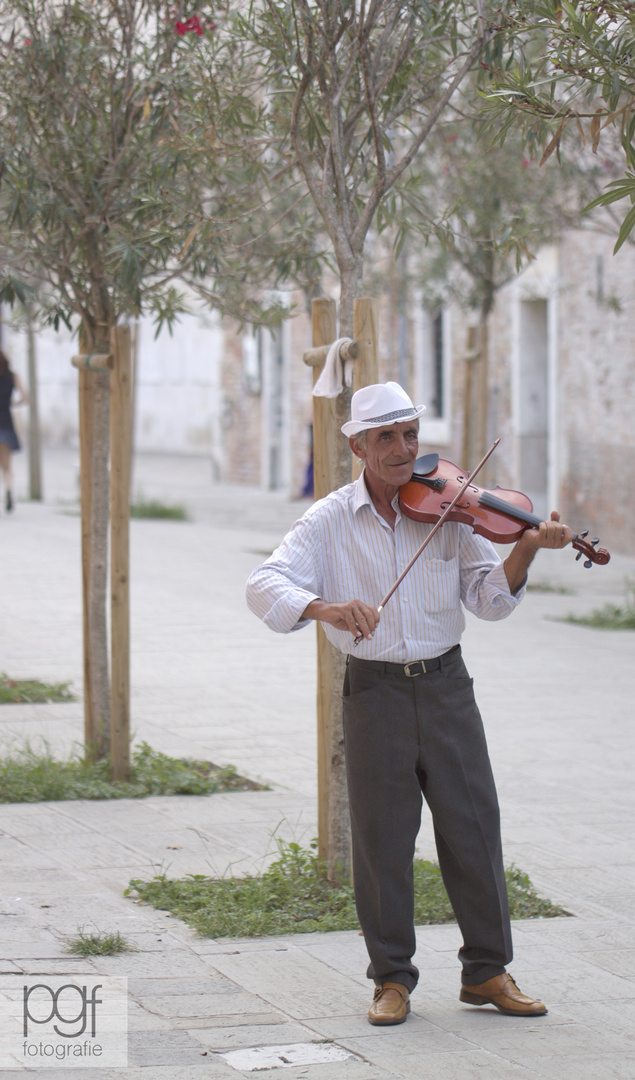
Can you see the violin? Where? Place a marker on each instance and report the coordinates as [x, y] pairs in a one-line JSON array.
[[500, 515], [439, 492]]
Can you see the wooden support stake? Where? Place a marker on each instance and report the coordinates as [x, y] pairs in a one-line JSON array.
[[328, 471], [120, 455], [93, 361], [471, 358], [316, 357], [324, 331], [366, 334], [35, 450], [85, 480], [482, 399]]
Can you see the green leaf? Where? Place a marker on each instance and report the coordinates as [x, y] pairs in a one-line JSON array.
[[626, 229], [12, 289], [621, 190]]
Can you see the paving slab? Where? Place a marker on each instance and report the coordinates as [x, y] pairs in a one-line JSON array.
[[209, 681]]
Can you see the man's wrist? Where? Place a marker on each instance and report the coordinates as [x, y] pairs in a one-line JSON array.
[[517, 563], [314, 610]]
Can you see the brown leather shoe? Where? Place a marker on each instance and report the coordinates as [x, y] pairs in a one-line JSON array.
[[502, 992], [391, 1004]]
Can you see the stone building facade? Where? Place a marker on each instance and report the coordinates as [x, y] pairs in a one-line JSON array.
[[562, 385], [266, 391]]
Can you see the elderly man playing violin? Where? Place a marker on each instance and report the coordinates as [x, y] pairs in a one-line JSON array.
[[412, 728]]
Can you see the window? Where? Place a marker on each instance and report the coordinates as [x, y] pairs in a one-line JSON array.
[[252, 361], [432, 372]]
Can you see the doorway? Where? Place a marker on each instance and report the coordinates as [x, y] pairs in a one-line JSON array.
[[275, 449], [533, 406]]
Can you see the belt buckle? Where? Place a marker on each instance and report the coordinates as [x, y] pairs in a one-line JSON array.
[[413, 674]]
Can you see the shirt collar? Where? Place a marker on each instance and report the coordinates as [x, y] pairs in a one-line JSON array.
[[361, 497]]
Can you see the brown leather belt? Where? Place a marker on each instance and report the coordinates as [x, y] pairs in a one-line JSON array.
[[411, 670]]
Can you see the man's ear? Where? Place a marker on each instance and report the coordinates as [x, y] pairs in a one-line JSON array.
[[357, 447]]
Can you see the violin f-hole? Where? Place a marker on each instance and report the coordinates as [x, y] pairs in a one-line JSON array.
[[457, 506]]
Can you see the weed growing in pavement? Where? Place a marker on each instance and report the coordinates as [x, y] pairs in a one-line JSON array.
[[610, 617], [99, 944], [31, 776], [154, 508], [548, 587], [32, 691], [140, 508], [293, 896]]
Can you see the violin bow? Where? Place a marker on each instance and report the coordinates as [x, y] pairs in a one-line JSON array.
[[444, 516]]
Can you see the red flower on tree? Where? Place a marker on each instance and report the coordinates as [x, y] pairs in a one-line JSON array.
[[193, 25]]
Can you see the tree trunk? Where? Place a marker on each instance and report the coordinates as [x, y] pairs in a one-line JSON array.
[[35, 455], [351, 270]]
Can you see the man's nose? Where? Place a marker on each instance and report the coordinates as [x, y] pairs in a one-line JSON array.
[[402, 446]]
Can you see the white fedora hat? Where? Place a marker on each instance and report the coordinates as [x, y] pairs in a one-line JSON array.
[[378, 405]]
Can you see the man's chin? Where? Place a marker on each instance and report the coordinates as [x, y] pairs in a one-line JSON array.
[[402, 473]]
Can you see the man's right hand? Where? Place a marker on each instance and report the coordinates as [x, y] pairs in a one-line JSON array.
[[359, 618]]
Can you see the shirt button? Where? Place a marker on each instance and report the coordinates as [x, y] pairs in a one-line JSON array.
[[405, 599]]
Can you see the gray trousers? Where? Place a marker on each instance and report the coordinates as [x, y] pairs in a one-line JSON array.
[[404, 738]]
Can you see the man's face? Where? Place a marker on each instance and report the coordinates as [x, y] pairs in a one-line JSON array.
[[390, 452]]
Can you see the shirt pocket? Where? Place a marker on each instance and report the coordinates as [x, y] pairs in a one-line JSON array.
[[439, 585]]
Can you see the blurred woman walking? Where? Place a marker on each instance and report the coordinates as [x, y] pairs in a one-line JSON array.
[[9, 441]]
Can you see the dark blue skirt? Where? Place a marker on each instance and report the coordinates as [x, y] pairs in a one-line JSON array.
[[8, 436]]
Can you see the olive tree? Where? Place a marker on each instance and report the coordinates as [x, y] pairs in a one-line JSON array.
[[101, 199], [571, 73]]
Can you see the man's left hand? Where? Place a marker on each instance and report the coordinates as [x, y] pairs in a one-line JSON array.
[[549, 534]]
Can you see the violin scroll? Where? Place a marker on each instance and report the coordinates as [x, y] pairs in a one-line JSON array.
[[593, 553]]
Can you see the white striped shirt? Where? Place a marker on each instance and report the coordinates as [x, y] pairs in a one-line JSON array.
[[342, 549]]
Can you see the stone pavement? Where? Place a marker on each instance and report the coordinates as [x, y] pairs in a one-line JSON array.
[[210, 681]]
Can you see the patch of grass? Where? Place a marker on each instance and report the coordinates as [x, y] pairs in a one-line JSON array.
[[31, 776], [605, 618], [32, 691], [99, 944], [154, 508], [294, 896], [610, 617], [524, 901]]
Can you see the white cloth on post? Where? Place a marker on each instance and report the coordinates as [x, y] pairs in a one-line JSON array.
[[335, 375]]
